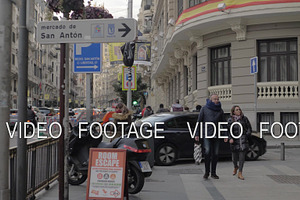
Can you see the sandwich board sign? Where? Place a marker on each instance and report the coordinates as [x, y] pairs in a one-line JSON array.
[[106, 174]]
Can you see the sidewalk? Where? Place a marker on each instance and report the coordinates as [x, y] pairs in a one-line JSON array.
[[268, 177], [273, 143]]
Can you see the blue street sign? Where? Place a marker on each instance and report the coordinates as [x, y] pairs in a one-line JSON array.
[[253, 65], [87, 58]]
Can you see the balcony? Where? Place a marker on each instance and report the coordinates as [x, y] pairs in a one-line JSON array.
[[278, 90], [223, 91]]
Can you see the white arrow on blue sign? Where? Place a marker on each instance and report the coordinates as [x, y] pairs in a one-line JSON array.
[[253, 65], [87, 58]]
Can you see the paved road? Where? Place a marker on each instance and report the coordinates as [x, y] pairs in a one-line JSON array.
[[267, 178]]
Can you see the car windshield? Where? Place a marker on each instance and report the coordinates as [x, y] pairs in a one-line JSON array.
[[45, 111]]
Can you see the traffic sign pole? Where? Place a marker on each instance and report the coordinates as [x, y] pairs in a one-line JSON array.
[[129, 94], [5, 77], [254, 70], [22, 103], [255, 100]]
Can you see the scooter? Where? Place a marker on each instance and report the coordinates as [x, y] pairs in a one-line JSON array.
[[137, 151]]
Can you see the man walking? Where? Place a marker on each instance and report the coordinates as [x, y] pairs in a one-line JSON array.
[[162, 109], [211, 112]]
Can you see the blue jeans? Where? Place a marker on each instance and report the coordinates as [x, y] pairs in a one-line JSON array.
[[211, 152]]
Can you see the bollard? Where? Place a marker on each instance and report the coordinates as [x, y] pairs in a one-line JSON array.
[[282, 151]]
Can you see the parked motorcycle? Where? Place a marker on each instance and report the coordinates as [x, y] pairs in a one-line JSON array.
[[137, 151]]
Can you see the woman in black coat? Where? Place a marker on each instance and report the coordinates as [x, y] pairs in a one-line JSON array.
[[238, 138]]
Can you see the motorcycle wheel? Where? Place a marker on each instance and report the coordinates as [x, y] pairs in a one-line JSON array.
[[136, 180], [76, 177]]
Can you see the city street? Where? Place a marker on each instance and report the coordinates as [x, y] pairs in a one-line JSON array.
[[267, 178], [162, 65]]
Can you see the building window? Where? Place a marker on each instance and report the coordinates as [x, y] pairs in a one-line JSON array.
[[220, 66], [186, 80], [40, 73], [35, 70], [178, 85], [286, 117], [35, 33], [170, 93], [13, 37], [265, 117], [15, 85], [36, 16], [195, 71], [13, 59], [41, 56], [277, 60], [180, 7], [196, 2]]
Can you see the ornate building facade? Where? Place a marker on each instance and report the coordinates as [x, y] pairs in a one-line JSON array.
[[204, 47]]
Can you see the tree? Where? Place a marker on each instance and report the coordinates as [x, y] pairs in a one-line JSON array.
[[65, 6], [79, 11], [136, 94]]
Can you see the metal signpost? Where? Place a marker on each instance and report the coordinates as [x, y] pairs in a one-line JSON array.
[[85, 31], [254, 70], [88, 59]]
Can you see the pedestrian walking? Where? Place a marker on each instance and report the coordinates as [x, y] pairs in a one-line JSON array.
[[176, 107], [198, 108], [239, 146], [186, 109], [122, 114], [148, 111], [162, 109], [211, 112]]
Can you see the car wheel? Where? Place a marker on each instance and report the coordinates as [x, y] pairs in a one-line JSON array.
[[254, 150], [166, 154]]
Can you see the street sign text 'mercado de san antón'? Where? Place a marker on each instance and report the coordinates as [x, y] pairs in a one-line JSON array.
[[87, 31]]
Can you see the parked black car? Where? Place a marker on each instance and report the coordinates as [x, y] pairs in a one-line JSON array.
[[178, 142]]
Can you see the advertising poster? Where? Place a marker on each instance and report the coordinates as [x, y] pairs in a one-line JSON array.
[[106, 174], [115, 54], [142, 51]]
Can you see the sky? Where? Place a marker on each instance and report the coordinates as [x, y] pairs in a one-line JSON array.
[[118, 8]]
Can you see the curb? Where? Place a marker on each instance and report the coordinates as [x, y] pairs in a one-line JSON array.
[[286, 146]]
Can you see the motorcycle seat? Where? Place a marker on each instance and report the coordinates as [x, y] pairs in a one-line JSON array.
[[106, 145], [109, 144]]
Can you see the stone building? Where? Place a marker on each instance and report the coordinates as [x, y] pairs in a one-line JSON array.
[[204, 47]]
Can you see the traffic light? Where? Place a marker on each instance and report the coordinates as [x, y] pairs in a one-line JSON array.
[[134, 103]]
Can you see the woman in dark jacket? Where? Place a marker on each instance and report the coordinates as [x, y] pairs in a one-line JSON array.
[[239, 145]]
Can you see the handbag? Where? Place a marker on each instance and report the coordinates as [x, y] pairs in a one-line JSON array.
[[197, 153]]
